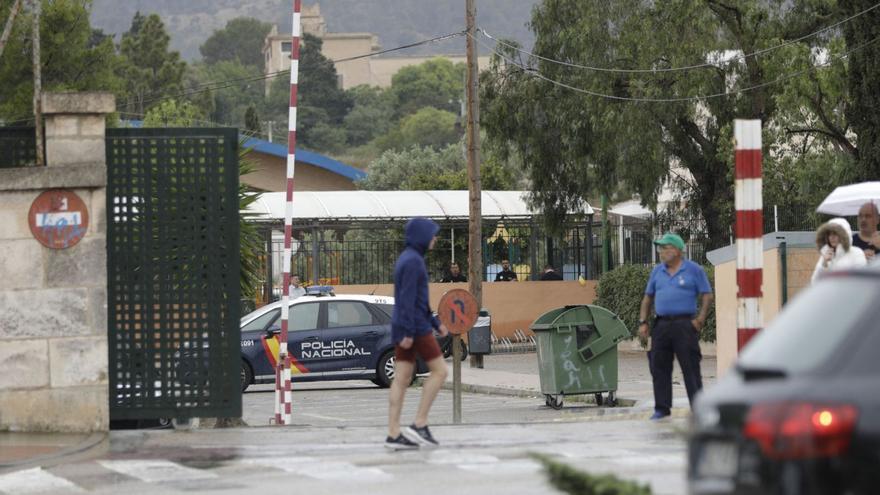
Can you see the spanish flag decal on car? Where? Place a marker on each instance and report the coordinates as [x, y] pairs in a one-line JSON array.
[[271, 347]]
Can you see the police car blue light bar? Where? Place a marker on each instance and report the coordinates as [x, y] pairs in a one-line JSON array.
[[319, 290]]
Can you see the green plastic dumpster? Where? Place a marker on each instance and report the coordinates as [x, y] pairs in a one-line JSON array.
[[577, 353]]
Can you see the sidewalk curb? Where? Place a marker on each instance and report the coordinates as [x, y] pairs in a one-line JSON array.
[[516, 392], [90, 442]]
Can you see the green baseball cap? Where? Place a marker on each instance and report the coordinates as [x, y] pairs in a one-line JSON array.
[[670, 239]]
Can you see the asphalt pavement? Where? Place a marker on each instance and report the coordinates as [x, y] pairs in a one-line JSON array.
[[335, 443]]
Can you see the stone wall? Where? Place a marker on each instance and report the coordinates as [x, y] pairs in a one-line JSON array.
[[53, 302]]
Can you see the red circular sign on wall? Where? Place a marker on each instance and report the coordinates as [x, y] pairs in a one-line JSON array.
[[458, 311], [58, 218]]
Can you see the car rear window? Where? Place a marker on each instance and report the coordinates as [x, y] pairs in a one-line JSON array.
[[348, 314], [812, 325], [388, 309], [304, 316]]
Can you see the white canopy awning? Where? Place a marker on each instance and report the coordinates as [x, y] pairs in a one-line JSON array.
[[376, 205]]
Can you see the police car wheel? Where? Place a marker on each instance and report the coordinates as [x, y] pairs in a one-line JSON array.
[[385, 370], [247, 376]]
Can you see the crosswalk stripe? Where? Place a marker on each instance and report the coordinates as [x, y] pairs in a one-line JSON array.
[[454, 457], [323, 470], [518, 466], [36, 480], [155, 470]]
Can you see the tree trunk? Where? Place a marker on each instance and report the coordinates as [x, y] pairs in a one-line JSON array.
[[863, 113], [9, 22]]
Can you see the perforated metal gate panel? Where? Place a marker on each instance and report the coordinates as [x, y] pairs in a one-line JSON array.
[[18, 147], [173, 273]]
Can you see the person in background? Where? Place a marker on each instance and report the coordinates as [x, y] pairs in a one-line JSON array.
[[550, 274], [412, 331], [296, 288], [673, 288], [506, 274], [867, 238], [454, 274], [836, 252]]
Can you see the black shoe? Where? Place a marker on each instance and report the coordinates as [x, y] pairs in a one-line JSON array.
[[400, 443], [658, 415], [421, 435]]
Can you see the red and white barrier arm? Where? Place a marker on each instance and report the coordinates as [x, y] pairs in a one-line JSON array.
[[283, 394], [749, 230]]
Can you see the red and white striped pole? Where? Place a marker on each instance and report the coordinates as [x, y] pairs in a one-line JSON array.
[[749, 230], [282, 377]]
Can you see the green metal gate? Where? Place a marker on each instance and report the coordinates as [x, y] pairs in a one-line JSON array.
[[173, 273]]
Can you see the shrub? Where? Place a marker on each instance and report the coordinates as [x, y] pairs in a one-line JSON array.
[[574, 482], [621, 291]]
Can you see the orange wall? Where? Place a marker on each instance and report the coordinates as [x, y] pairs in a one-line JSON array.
[[270, 174], [800, 263], [513, 305]]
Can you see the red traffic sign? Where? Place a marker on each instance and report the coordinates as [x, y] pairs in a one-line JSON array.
[[458, 311], [58, 218]]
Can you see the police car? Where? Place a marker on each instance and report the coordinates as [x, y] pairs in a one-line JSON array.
[[330, 337]]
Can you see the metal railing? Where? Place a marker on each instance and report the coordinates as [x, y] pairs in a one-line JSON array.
[[365, 253]]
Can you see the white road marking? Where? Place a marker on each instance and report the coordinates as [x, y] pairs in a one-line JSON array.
[[36, 480], [320, 469], [520, 466], [458, 457], [156, 470], [321, 416], [340, 471]]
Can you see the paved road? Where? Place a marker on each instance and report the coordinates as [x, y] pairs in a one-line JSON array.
[[473, 460], [631, 366], [335, 446], [352, 404], [360, 403]]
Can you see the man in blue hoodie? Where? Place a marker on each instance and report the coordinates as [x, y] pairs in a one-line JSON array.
[[412, 324]]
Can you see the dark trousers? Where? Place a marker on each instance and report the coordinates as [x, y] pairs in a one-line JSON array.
[[675, 337]]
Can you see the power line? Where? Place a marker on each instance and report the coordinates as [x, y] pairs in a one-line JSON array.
[[684, 68], [209, 123], [223, 84], [535, 73]]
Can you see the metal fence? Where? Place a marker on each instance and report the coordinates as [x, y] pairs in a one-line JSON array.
[[365, 253], [18, 147], [173, 273], [631, 241]]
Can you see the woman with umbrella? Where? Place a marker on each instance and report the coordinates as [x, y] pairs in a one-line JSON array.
[[836, 252]]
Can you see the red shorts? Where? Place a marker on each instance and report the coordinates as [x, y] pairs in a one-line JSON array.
[[424, 345]]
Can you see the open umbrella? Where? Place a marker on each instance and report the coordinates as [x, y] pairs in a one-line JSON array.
[[846, 200]]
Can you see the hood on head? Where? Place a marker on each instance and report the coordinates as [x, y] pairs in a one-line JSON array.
[[838, 226], [419, 232]]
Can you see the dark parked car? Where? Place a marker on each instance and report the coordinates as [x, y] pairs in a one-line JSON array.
[[330, 337], [800, 412]]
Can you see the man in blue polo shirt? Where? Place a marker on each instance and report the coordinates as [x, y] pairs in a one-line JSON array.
[[673, 289]]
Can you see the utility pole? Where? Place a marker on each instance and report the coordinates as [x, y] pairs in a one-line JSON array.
[[8, 29], [606, 236], [38, 83], [475, 223], [269, 124]]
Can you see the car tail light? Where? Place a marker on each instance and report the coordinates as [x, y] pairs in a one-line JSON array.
[[801, 430]]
